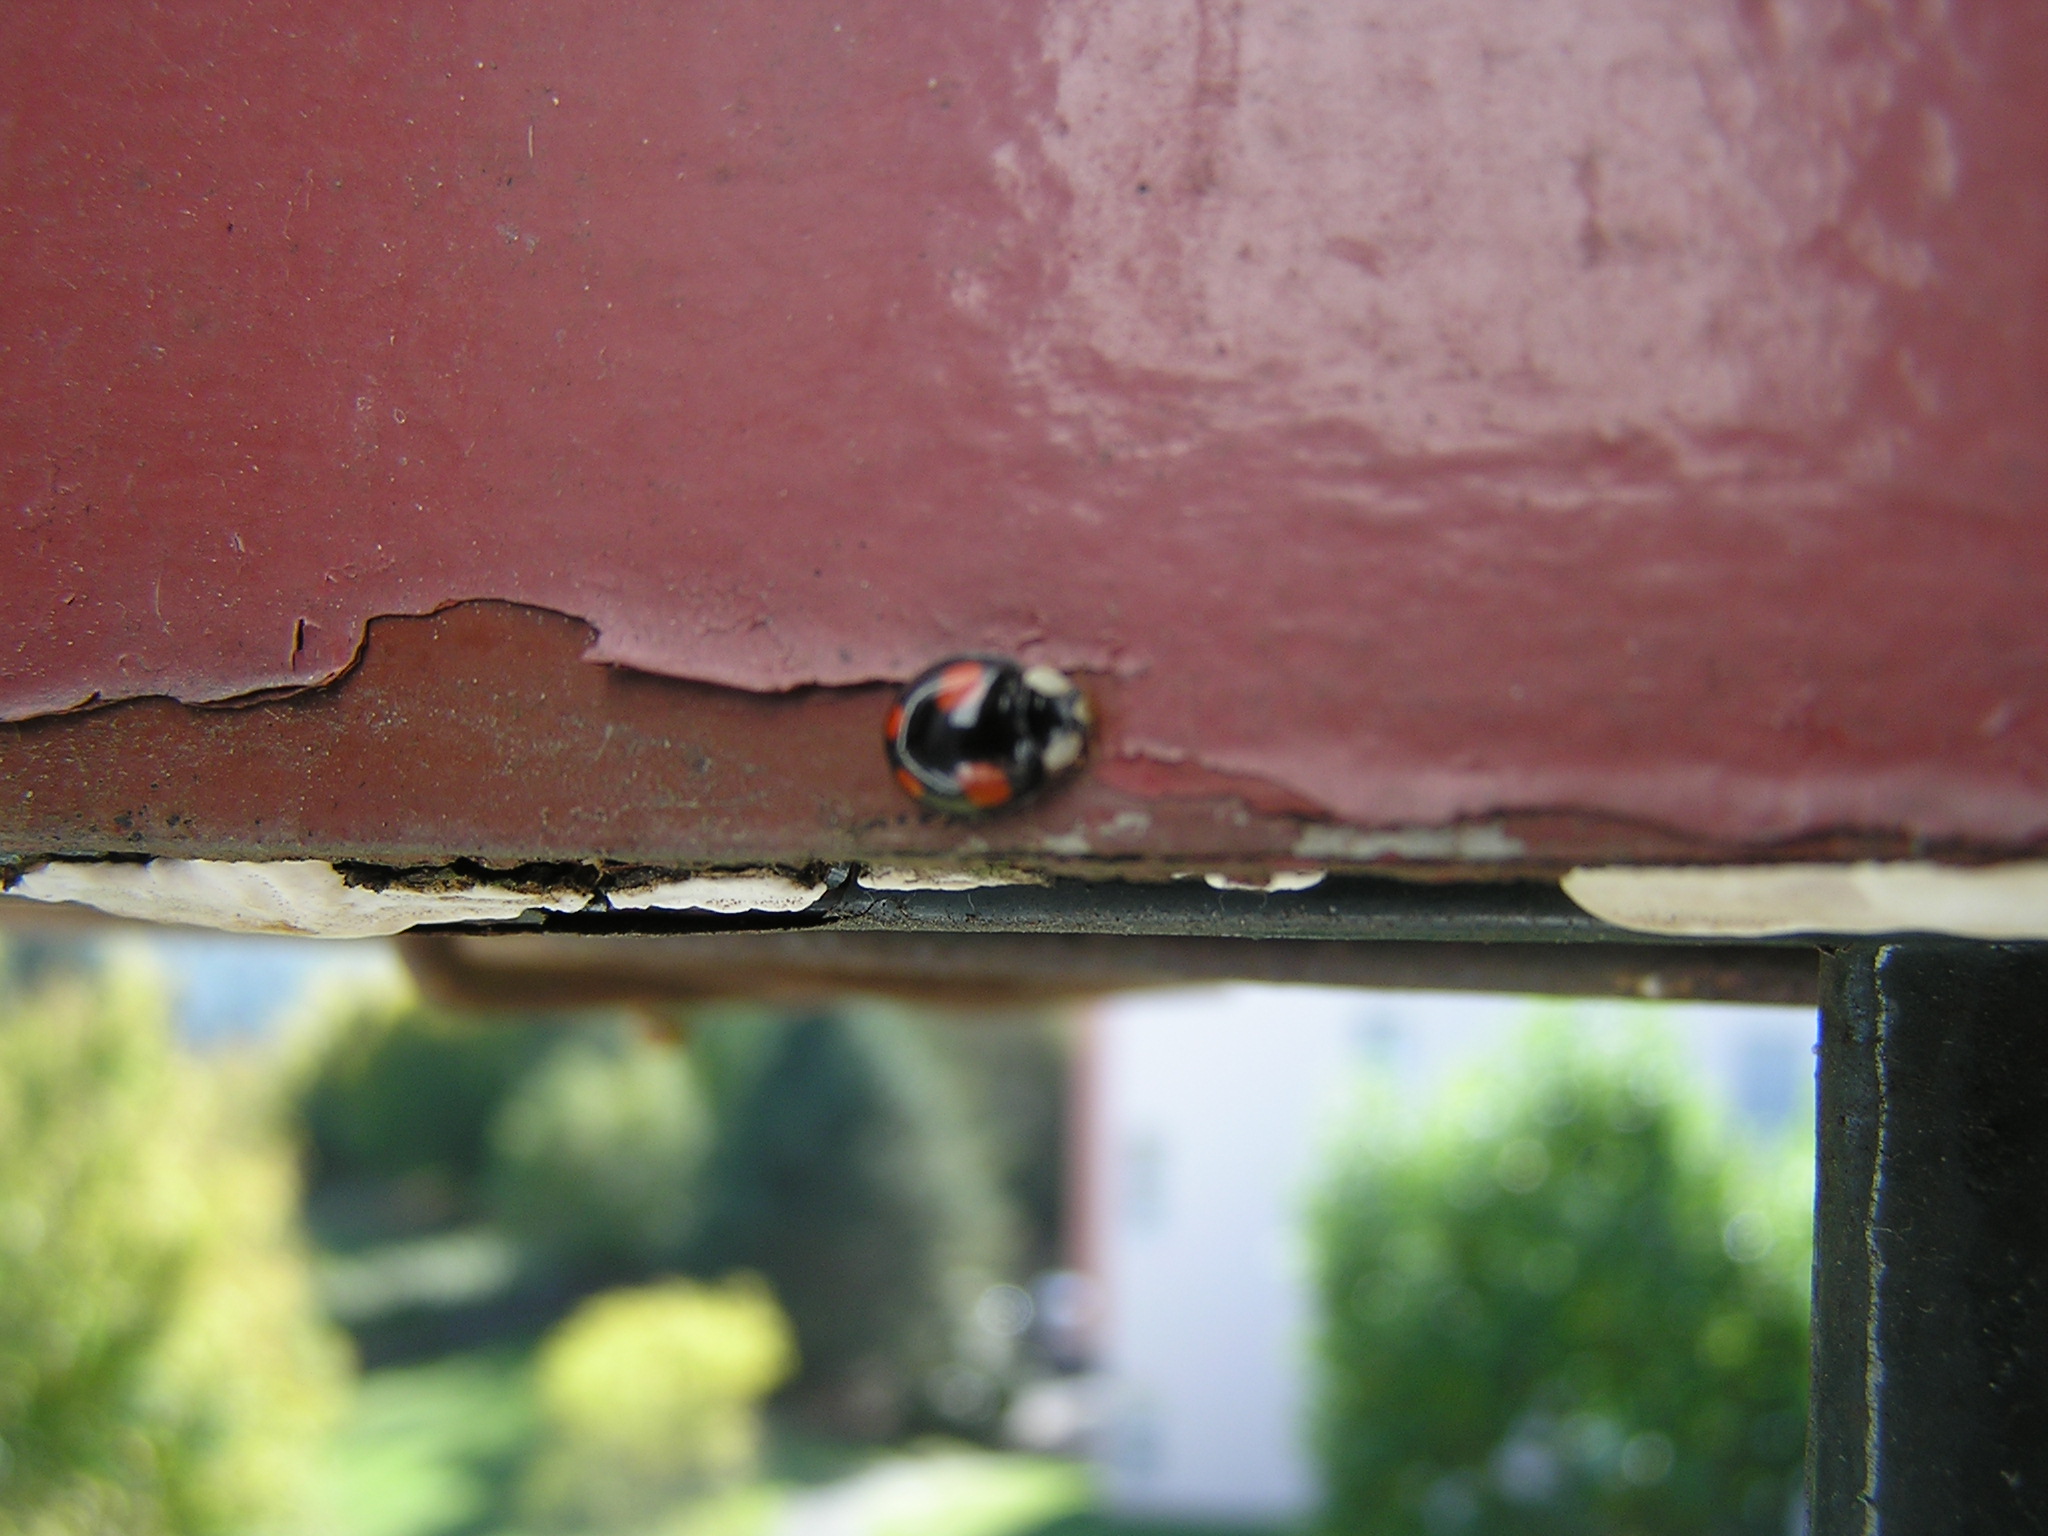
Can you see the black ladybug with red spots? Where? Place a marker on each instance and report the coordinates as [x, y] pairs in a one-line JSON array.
[[979, 732]]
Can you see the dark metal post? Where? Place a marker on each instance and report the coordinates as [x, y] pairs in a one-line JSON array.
[[1930, 1327]]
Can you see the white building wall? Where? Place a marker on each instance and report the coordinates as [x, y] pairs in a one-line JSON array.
[[1205, 1130]]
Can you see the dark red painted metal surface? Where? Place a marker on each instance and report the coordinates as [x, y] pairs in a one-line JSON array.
[[1611, 408], [480, 732]]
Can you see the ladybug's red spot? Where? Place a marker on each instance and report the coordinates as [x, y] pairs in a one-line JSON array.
[[913, 786], [958, 682], [982, 785]]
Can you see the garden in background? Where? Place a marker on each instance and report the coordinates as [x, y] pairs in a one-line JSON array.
[[389, 1271]]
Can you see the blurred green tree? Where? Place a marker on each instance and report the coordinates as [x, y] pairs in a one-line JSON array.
[[650, 1398], [397, 1099], [162, 1372], [847, 1176], [597, 1155], [1555, 1307]]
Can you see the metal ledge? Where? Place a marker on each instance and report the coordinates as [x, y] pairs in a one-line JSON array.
[[1341, 908], [1001, 969]]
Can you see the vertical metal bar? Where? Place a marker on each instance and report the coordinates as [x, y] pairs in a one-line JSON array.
[[1846, 1133], [1930, 1338]]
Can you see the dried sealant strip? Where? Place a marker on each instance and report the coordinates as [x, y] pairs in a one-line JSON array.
[[1995, 902], [307, 897]]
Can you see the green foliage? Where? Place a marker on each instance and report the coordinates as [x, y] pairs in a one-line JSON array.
[[598, 1152], [161, 1371], [650, 1399], [845, 1175], [1555, 1309], [402, 1095]]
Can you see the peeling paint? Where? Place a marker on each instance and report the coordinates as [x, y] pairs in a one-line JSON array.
[[757, 890], [1480, 842], [1999, 901], [1280, 880], [308, 897]]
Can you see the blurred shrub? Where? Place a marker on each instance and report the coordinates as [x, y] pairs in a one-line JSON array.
[[402, 1095], [597, 1155], [1557, 1309], [650, 1398], [161, 1372], [1012, 1070], [846, 1174]]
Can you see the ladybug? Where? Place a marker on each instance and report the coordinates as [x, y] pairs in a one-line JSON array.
[[978, 732]]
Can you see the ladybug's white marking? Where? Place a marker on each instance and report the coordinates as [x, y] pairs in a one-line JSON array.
[[1052, 683], [963, 713], [1062, 751]]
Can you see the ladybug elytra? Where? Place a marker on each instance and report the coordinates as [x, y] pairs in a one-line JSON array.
[[980, 732]]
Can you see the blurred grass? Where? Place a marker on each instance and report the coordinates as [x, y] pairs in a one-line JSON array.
[[1094, 1523], [943, 1490], [433, 1450], [436, 1450]]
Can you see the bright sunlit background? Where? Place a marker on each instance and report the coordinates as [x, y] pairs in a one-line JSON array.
[[284, 1249]]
